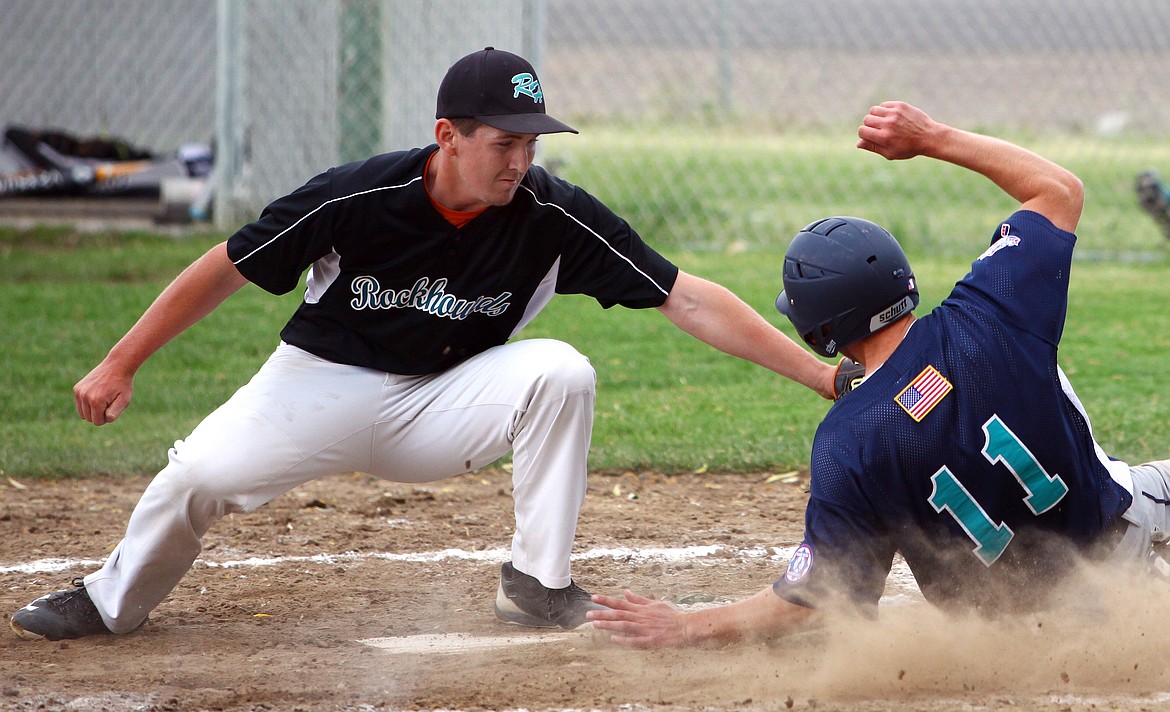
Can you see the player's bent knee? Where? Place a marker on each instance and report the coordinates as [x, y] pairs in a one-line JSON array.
[[557, 363]]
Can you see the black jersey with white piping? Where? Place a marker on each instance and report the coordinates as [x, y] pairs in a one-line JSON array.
[[394, 286]]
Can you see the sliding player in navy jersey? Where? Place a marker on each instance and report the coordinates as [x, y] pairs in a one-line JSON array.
[[965, 448]]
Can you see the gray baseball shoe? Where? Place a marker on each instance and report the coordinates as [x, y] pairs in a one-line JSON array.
[[522, 600], [59, 615]]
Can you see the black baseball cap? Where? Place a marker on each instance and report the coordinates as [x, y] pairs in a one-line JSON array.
[[498, 88]]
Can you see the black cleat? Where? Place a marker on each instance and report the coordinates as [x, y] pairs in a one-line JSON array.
[[522, 600], [59, 615]]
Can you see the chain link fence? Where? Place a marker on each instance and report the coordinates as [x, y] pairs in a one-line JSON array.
[[709, 124], [143, 69], [731, 103]]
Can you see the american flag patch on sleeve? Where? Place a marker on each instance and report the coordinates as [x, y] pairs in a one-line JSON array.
[[924, 393]]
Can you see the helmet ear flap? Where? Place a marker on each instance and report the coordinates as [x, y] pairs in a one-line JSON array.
[[818, 337]]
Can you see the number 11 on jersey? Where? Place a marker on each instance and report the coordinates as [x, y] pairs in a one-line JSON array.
[[1001, 446]]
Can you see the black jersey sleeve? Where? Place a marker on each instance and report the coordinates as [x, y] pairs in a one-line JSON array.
[[291, 233], [602, 255]]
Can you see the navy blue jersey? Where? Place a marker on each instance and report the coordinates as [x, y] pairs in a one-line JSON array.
[[395, 287], [966, 451]]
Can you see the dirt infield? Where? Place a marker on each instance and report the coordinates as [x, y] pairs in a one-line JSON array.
[[356, 594]]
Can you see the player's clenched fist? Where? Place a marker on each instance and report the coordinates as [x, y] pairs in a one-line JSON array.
[[102, 396], [896, 130]]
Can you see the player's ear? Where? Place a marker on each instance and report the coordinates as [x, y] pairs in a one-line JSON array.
[[445, 133]]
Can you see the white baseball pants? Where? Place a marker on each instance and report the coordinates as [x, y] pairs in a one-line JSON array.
[[302, 417], [1149, 515]]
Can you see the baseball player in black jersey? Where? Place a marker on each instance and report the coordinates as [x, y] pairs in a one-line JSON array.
[[965, 448], [422, 265]]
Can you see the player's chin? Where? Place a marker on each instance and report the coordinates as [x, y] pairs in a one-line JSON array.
[[506, 193]]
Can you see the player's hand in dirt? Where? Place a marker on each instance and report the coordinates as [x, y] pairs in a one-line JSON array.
[[102, 395], [896, 131], [639, 622]]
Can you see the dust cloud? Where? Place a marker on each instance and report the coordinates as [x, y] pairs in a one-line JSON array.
[[1105, 634]]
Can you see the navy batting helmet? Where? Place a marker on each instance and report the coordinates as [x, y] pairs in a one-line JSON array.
[[844, 279]]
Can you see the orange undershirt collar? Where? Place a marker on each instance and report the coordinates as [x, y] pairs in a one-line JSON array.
[[458, 218]]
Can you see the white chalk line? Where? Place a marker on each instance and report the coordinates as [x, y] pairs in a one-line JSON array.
[[493, 556], [901, 587], [899, 584], [448, 643], [900, 575]]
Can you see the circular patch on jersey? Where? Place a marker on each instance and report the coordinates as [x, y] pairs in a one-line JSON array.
[[801, 562]]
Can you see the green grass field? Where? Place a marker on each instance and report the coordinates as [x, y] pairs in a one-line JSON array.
[[665, 401], [732, 189]]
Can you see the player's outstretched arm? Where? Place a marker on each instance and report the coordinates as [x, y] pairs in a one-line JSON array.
[[105, 392], [896, 130], [639, 622], [715, 316]]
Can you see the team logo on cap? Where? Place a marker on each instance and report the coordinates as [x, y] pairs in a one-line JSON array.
[[527, 84]]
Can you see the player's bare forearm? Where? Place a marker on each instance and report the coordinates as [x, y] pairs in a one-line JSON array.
[[193, 295], [715, 316], [896, 130], [102, 395], [638, 622]]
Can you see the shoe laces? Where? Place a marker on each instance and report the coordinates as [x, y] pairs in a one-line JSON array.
[[564, 597], [73, 600]]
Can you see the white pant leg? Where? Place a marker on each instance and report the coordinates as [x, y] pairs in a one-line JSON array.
[[1149, 512], [301, 418], [298, 419], [534, 397]]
